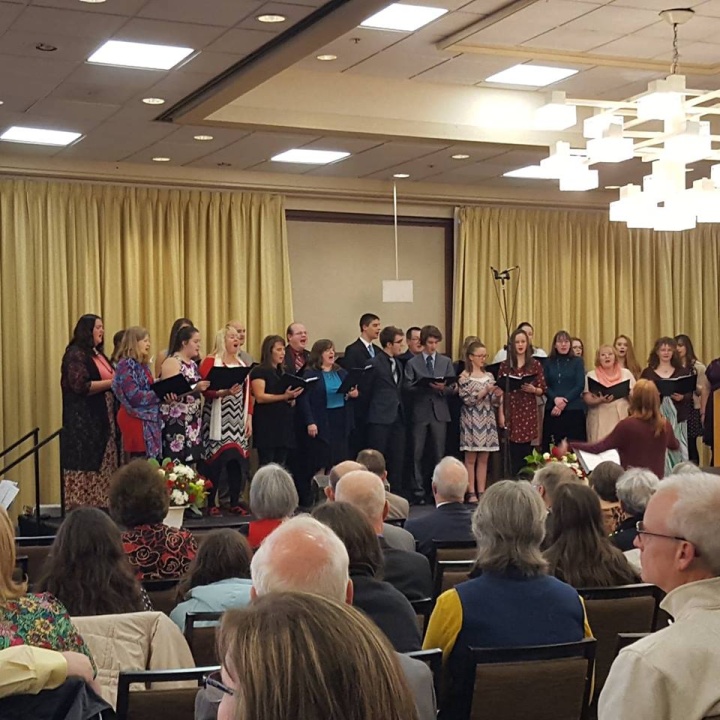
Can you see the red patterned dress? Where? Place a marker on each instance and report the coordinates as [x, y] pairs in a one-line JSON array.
[[159, 552]]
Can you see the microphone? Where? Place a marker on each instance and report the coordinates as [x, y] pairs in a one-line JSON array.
[[503, 274]]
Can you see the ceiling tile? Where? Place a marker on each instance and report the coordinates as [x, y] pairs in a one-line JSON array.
[[563, 38], [8, 13], [467, 69], [701, 28], [656, 5], [636, 46], [611, 20], [293, 13], [209, 63], [699, 52], [168, 33], [594, 81], [81, 114], [126, 8], [711, 8], [179, 153], [104, 84], [240, 41], [395, 64], [225, 13], [50, 23], [74, 48]]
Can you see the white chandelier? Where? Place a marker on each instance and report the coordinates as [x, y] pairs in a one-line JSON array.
[[665, 127]]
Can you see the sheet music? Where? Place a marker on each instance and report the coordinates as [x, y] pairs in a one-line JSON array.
[[8, 492]]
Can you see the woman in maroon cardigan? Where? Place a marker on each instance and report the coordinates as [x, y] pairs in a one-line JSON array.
[[643, 438]]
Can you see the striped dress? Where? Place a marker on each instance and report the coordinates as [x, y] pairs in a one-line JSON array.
[[478, 426]]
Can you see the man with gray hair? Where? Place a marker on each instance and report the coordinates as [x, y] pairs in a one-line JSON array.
[[634, 489], [451, 519], [408, 571], [673, 674], [303, 555]]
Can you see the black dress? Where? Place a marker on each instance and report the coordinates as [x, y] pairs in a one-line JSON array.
[[273, 432]]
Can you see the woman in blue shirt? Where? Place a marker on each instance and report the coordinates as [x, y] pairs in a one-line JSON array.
[[565, 378], [326, 412]]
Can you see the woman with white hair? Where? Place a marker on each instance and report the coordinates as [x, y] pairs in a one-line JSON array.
[[513, 602], [634, 489], [273, 498]]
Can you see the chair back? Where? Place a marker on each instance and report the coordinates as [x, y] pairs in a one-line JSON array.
[[423, 609], [614, 610], [397, 522], [449, 573], [625, 639], [162, 594], [35, 551], [201, 636], [433, 659], [455, 549], [178, 704], [21, 568], [547, 682]]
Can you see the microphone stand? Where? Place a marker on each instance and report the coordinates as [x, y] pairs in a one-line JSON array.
[[500, 281]]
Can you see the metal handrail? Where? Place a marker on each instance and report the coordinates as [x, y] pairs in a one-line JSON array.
[[34, 434]]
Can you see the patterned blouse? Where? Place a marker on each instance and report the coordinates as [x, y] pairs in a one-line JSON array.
[[39, 620], [159, 552]]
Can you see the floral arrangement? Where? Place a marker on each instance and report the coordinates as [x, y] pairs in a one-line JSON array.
[[537, 460], [184, 485]]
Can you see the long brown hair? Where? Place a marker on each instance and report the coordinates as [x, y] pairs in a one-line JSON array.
[[87, 569], [316, 353], [654, 357], [9, 589], [631, 362], [580, 553], [645, 404], [301, 642], [512, 355]]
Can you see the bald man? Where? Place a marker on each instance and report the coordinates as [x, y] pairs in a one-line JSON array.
[[408, 571]]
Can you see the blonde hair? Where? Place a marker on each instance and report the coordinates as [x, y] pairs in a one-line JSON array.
[[631, 362], [220, 336], [645, 404], [300, 641], [9, 589], [128, 345], [600, 349]]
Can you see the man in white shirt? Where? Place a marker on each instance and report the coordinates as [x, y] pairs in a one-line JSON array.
[[673, 674]]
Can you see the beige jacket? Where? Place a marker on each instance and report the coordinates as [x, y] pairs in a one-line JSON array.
[[133, 641]]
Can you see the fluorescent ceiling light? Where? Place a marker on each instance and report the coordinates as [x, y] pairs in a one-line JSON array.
[[534, 172], [39, 136], [271, 18], [161, 159], [202, 137], [405, 18], [153, 101], [460, 156], [139, 55], [401, 176], [531, 75], [310, 157], [327, 57]]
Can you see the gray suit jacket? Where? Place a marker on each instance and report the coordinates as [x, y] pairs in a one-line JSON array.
[[429, 404], [398, 537], [420, 680]]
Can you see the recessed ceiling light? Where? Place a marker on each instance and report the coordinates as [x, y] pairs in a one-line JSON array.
[[161, 159], [224, 164], [39, 136], [154, 101], [531, 75], [274, 18], [326, 58], [460, 156], [401, 176], [203, 137], [310, 157], [139, 55], [404, 18], [93, 2], [534, 172], [46, 47]]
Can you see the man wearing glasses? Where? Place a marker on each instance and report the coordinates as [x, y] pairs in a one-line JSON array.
[[673, 673]]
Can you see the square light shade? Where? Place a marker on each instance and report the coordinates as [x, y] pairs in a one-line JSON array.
[[580, 180], [531, 172], [674, 218], [555, 114], [397, 291], [310, 157], [611, 147], [139, 55], [39, 136], [693, 143], [403, 18], [531, 75], [664, 99]]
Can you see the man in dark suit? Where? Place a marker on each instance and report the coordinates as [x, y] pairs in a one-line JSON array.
[[414, 347], [430, 412], [407, 571], [385, 414], [451, 519]]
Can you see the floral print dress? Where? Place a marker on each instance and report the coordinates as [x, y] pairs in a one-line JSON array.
[[182, 440]]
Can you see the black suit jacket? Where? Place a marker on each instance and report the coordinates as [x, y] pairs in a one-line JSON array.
[[289, 362], [357, 356], [384, 395], [452, 521], [408, 572]]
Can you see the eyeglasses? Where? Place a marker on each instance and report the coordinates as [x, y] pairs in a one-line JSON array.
[[216, 689], [640, 527], [479, 356]]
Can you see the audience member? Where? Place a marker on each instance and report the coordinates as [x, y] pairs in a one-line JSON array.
[[673, 673], [388, 608], [686, 468], [29, 618], [513, 602], [87, 569], [139, 503], [546, 481], [408, 571], [634, 489], [579, 552], [374, 461], [451, 519], [352, 680], [219, 576], [273, 498], [603, 480]]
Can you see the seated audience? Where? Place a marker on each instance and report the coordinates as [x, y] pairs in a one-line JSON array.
[[673, 673], [374, 461], [514, 602], [603, 480], [139, 502], [30, 618], [408, 571], [87, 569], [273, 498], [451, 519], [396, 537], [579, 551], [546, 481], [353, 680], [634, 489], [388, 608], [219, 576], [686, 468]]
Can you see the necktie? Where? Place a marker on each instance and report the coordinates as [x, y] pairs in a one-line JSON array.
[[430, 365], [299, 362], [393, 362], [371, 350]]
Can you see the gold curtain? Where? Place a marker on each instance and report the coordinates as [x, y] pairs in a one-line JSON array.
[[135, 256], [584, 274]]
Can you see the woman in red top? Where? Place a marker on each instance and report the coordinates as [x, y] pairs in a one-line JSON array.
[[641, 439], [521, 405], [273, 498]]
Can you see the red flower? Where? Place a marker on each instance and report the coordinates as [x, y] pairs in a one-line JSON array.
[[191, 498], [557, 453], [208, 485]]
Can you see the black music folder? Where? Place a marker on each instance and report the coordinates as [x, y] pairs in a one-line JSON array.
[[426, 380], [511, 383], [293, 382], [619, 391], [176, 385], [683, 385], [223, 378], [357, 375]]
